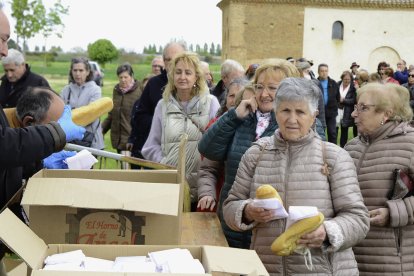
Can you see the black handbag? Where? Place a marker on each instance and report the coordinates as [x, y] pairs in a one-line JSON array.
[[403, 185], [86, 141]]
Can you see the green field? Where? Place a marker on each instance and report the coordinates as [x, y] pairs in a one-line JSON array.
[[57, 75]]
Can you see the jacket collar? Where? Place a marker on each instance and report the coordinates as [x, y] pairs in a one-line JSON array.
[[389, 129], [282, 143]]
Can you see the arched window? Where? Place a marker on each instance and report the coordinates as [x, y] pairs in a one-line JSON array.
[[338, 30]]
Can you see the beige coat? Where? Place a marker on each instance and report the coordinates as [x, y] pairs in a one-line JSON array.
[[386, 250], [294, 169]]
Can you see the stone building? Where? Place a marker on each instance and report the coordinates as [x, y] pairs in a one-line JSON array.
[[336, 32]]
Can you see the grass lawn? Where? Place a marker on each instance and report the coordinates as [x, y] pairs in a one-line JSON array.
[[57, 76]]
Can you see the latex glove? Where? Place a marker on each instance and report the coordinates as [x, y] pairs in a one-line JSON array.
[[55, 161], [72, 131]]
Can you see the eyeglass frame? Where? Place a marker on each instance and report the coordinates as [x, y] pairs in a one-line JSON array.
[[357, 107], [256, 89], [411, 75]]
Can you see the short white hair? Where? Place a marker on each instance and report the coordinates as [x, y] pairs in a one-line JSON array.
[[13, 56], [230, 65]]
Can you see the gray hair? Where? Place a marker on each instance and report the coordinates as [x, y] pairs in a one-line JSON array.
[[35, 103], [242, 82], [298, 90], [230, 65], [181, 43], [13, 56]]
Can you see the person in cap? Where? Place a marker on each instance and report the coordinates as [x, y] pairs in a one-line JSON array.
[[354, 69]]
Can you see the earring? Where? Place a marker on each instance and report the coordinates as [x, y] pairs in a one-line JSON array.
[[382, 122], [194, 85]]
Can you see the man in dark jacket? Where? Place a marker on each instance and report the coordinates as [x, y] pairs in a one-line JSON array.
[[230, 70], [143, 109], [331, 98], [22, 146], [17, 78]]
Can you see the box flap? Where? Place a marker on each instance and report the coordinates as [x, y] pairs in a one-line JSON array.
[[103, 194], [23, 241], [233, 260]]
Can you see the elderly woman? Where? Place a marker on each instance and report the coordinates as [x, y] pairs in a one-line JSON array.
[[385, 143], [82, 90], [229, 138], [186, 107], [292, 161], [125, 93]]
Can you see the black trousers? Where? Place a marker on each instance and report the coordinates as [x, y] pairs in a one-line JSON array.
[[331, 129], [344, 135]]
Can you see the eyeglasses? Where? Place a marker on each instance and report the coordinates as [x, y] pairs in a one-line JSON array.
[[362, 107], [259, 88], [411, 76]]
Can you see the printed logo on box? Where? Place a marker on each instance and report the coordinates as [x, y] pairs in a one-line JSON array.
[[90, 226]]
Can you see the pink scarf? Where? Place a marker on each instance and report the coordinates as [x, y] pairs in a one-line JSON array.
[[126, 89], [263, 120]]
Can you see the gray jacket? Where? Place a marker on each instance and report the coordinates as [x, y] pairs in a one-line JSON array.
[[77, 96], [387, 250], [294, 169]]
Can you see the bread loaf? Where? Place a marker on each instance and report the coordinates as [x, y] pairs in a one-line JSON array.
[[267, 191], [85, 115], [285, 244], [12, 117]]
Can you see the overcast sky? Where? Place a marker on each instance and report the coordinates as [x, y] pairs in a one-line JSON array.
[[133, 24]]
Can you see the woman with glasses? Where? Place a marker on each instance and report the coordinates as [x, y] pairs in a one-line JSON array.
[[82, 90], [229, 138], [124, 95], [385, 143], [292, 160]]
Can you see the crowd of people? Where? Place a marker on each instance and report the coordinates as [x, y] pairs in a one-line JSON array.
[[274, 123]]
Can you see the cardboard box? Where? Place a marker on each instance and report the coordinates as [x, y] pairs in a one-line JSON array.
[[216, 260], [96, 209]]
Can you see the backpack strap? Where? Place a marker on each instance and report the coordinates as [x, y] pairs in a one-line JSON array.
[[325, 168]]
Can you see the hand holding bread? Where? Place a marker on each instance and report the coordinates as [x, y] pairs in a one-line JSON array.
[[260, 214], [286, 243]]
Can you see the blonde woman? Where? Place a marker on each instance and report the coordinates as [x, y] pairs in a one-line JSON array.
[[186, 107]]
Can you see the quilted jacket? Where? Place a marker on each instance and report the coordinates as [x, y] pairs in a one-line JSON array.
[[386, 250], [294, 169]]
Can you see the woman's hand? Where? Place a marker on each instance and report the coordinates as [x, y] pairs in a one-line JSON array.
[[379, 217], [206, 202], [258, 214], [245, 107], [314, 239]]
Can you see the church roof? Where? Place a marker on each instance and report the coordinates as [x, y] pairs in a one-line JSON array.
[[371, 4]]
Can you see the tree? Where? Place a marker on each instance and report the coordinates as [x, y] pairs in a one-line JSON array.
[[191, 48], [102, 51], [198, 49], [212, 49], [205, 49], [218, 50], [32, 18]]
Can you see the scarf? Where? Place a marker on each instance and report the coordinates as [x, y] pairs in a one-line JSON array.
[[126, 89], [263, 120]]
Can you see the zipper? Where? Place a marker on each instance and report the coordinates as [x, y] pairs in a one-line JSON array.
[[285, 197], [361, 158], [397, 233]]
